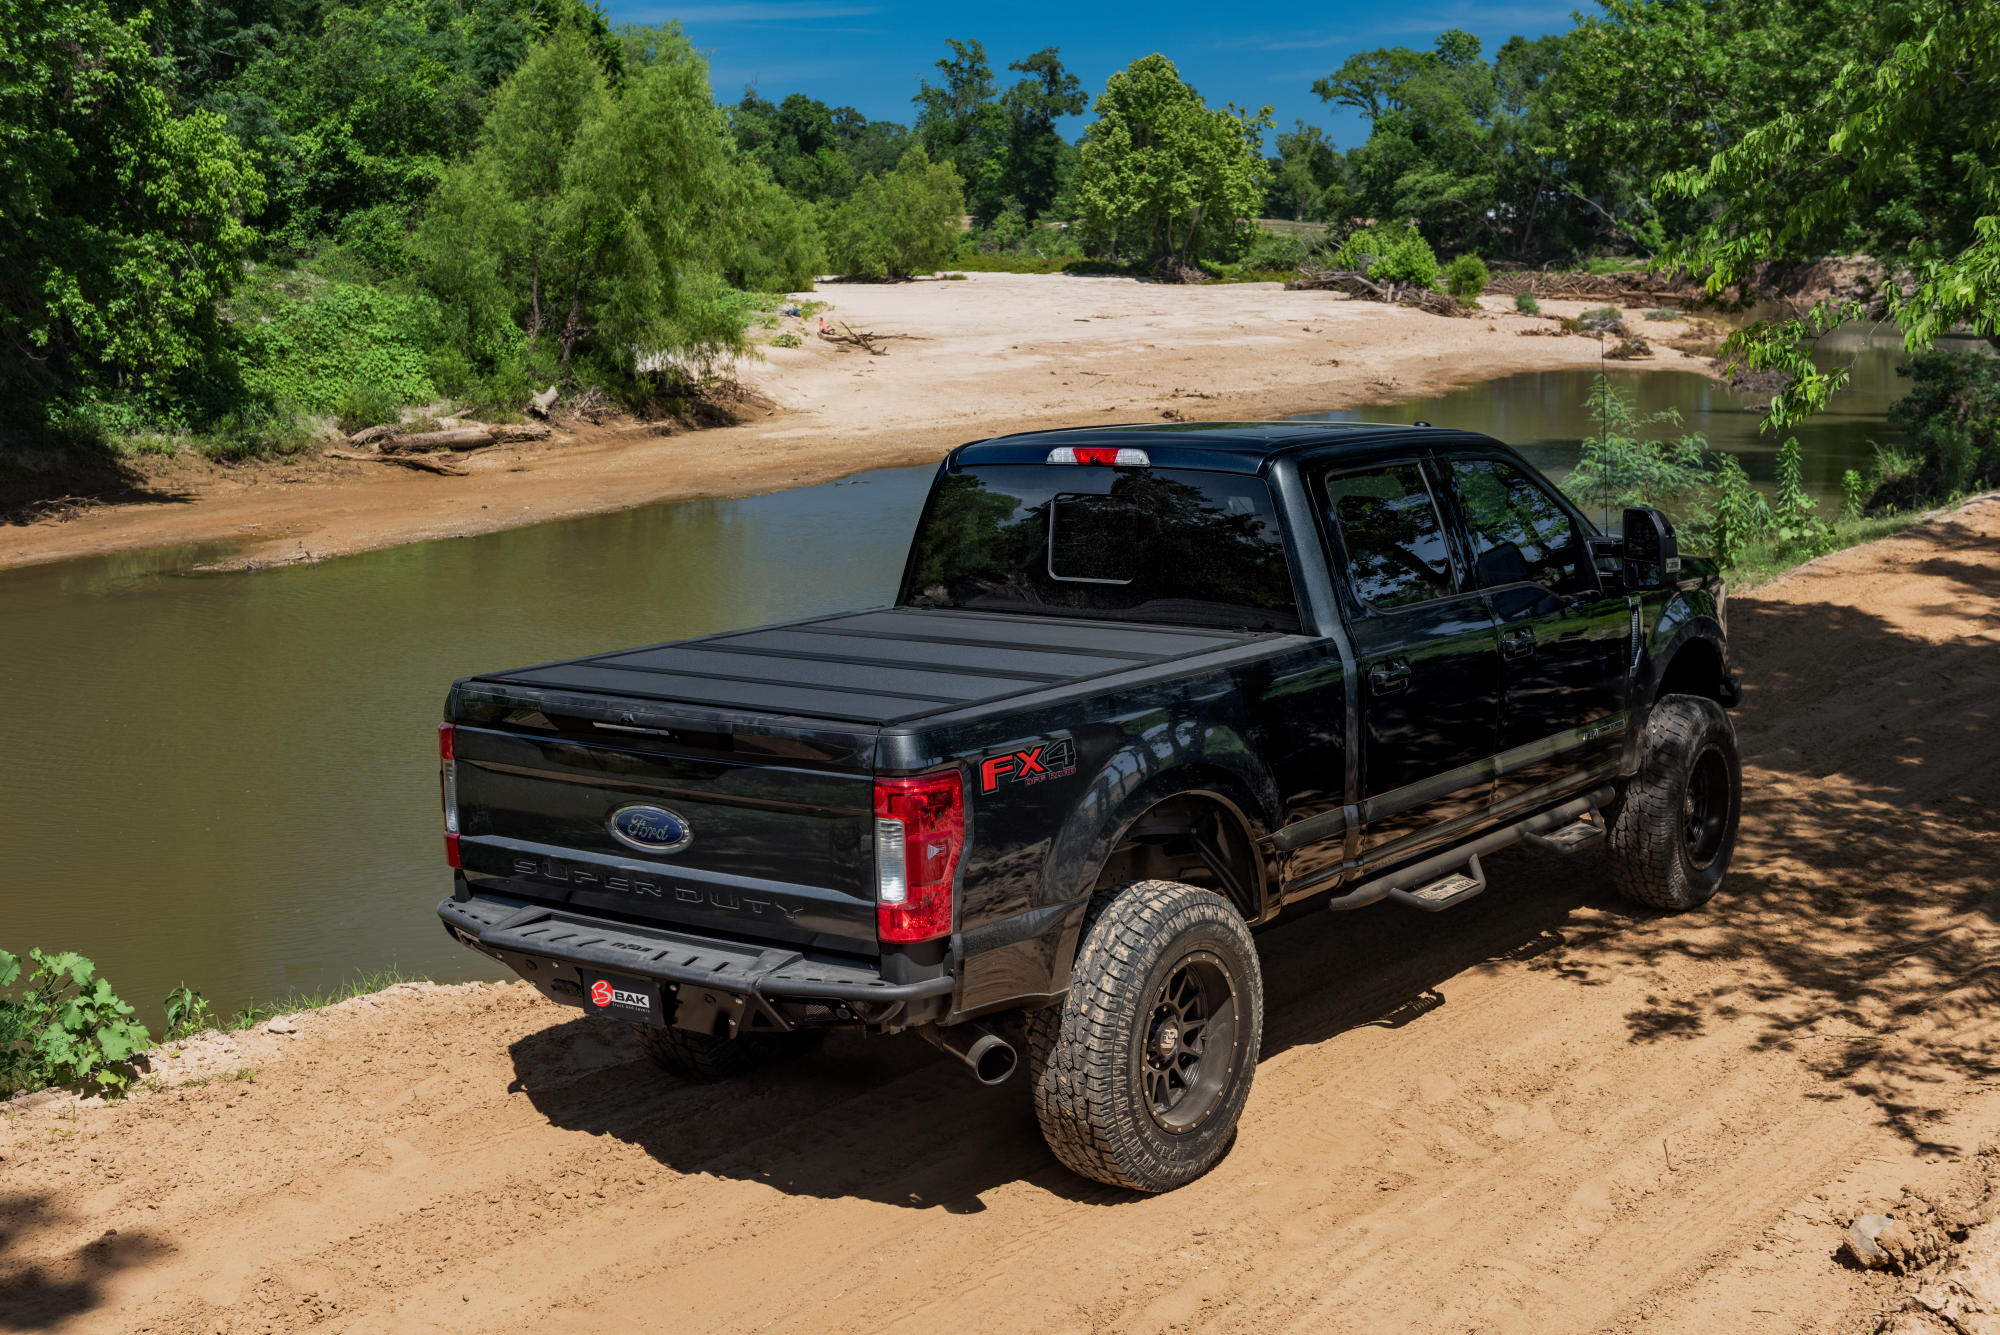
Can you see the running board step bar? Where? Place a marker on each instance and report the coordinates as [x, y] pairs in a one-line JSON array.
[[1448, 890], [1440, 881], [1583, 832]]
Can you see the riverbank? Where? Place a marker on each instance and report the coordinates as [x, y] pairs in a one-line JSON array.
[[1542, 1111], [980, 356]]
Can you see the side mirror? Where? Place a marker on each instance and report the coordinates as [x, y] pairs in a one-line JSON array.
[[1651, 553]]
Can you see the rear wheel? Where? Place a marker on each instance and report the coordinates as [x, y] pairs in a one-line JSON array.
[[1675, 828], [703, 1059], [1140, 1075]]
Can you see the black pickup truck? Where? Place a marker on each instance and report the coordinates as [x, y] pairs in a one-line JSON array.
[[1143, 689]]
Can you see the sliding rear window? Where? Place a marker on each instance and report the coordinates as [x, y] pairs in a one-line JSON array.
[[1162, 545]]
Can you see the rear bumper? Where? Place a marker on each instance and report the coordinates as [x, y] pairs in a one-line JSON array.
[[711, 986]]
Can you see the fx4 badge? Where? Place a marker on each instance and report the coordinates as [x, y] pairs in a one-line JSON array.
[[1033, 764]]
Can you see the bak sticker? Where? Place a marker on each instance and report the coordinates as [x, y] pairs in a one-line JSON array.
[[1032, 764]]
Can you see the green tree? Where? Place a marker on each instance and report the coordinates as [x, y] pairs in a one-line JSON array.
[[594, 218], [1161, 169], [122, 212], [900, 224], [780, 246], [1038, 158], [1308, 177], [960, 122], [1913, 117]]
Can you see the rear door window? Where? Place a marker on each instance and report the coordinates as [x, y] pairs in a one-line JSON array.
[[1389, 528]]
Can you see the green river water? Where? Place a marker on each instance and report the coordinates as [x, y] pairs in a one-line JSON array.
[[231, 779]]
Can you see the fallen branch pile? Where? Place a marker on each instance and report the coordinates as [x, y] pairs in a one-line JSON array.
[[1355, 283], [867, 340], [1626, 289], [413, 449]]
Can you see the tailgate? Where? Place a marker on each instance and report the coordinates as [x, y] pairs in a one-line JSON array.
[[775, 849]]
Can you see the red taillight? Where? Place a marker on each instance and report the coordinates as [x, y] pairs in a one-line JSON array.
[[919, 832], [448, 789]]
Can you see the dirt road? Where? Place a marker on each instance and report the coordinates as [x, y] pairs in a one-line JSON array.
[[1543, 1112], [990, 354]]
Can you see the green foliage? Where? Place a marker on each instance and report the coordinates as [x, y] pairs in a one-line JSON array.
[[812, 151], [1466, 277], [1897, 151], [188, 1014], [122, 211], [344, 349], [1795, 519], [787, 339], [1853, 493], [1662, 313], [65, 1025], [1309, 178], [1526, 304], [1401, 255], [594, 220], [1952, 415], [1601, 318], [1737, 513], [1620, 467], [1161, 170], [781, 248], [903, 223]]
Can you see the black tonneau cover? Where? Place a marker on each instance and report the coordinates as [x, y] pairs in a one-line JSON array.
[[883, 666]]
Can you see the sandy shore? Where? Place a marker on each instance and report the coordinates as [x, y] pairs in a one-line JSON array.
[[986, 355], [1544, 1112]]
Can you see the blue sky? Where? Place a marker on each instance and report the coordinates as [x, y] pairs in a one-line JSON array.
[[868, 54]]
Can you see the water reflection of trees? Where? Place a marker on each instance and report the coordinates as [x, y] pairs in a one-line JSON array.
[[1205, 552]]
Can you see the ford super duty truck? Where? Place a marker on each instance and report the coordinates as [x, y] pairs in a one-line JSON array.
[[1142, 691]]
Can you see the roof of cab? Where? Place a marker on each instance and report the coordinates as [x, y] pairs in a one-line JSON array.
[[1216, 446]]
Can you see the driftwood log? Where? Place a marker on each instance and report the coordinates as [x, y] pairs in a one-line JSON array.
[[1356, 283], [540, 404], [462, 438]]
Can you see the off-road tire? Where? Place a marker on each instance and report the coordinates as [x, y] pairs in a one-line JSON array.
[[1090, 1060], [1655, 858], [701, 1059]]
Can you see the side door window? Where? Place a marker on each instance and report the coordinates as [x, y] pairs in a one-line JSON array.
[[1562, 637], [1517, 532]]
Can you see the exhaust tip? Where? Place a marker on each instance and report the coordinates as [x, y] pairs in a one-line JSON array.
[[992, 1059]]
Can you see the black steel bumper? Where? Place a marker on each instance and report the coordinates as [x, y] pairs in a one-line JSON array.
[[711, 986]]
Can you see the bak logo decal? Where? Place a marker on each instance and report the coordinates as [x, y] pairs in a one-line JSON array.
[[1033, 764], [600, 993]]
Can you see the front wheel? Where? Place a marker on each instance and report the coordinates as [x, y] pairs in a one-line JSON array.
[[1140, 1075], [1675, 828]]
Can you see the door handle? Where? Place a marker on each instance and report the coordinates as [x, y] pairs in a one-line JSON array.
[[1517, 643], [1390, 677]]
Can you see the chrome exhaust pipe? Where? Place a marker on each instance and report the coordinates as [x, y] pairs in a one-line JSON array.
[[989, 1057]]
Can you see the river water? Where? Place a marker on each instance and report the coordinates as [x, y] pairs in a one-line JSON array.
[[231, 779]]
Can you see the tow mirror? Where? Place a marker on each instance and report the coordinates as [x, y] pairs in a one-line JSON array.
[[1651, 554]]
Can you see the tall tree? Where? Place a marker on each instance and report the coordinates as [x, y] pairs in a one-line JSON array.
[[1036, 154], [959, 121], [1161, 169]]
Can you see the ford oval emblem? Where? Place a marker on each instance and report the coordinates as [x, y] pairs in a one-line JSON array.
[[650, 829]]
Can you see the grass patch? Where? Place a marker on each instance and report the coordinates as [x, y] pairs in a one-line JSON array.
[[1768, 559], [319, 1000], [1613, 264]]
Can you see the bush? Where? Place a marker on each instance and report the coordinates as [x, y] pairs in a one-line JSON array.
[[788, 339], [1527, 305], [1737, 515], [1952, 413], [1794, 514], [1619, 468], [1662, 313], [65, 1026], [188, 1014], [781, 248], [1853, 493], [1601, 319], [1401, 255], [340, 344], [1466, 277], [901, 224]]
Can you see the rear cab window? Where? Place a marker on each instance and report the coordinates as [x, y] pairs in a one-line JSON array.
[[1177, 546]]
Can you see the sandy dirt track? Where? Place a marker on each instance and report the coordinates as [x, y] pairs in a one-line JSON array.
[[990, 354], [1542, 1112]]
